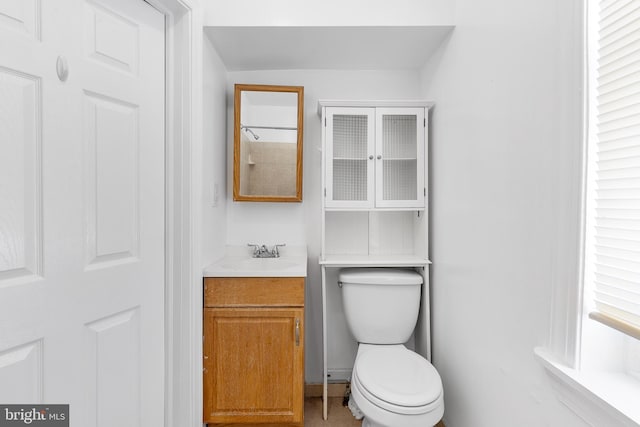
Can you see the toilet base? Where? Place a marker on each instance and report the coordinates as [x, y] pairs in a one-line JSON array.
[[378, 417], [368, 423], [375, 416]]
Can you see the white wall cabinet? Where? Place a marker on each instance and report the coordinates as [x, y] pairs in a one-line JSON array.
[[374, 207], [375, 157]]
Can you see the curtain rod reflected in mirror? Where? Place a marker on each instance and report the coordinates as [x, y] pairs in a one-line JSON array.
[[248, 128], [268, 130]]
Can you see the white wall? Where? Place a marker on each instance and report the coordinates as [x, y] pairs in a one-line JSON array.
[[214, 164], [505, 143], [299, 223]]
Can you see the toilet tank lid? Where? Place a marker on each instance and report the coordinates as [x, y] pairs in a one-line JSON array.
[[380, 276]]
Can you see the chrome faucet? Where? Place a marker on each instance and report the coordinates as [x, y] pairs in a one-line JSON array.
[[261, 251]]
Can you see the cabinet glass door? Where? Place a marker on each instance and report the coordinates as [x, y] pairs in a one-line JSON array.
[[400, 157], [350, 157]]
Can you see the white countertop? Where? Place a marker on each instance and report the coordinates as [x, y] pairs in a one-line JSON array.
[[238, 262]]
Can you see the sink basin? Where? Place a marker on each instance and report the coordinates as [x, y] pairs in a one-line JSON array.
[[257, 264], [234, 265]]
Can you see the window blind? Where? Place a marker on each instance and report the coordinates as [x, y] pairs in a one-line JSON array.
[[617, 174]]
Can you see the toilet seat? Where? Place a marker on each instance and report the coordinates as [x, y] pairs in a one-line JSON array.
[[397, 380]]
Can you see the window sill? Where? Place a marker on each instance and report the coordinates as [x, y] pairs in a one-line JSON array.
[[599, 398]]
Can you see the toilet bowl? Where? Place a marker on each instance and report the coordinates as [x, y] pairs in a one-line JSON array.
[[395, 387], [391, 385]]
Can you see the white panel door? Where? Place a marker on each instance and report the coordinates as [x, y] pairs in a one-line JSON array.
[[82, 209]]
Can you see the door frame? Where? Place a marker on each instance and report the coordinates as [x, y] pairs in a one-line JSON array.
[[183, 181]]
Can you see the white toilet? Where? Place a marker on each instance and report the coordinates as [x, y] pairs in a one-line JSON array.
[[391, 385]]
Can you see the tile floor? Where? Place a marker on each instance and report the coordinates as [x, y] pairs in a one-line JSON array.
[[339, 416]]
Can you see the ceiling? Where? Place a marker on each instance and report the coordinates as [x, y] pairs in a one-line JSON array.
[[337, 48]]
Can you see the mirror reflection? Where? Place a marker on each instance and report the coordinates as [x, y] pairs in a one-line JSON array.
[[268, 143]]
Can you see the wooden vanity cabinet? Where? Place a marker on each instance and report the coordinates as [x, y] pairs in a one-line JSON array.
[[253, 351]]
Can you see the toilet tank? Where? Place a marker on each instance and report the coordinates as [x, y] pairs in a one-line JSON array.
[[380, 304]]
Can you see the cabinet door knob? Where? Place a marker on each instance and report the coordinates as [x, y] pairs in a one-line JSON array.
[[371, 157], [297, 332], [379, 156]]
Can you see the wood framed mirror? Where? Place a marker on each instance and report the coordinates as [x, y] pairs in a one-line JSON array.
[[267, 143]]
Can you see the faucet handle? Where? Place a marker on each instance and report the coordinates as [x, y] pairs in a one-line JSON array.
[[256, 248], [276, 252]]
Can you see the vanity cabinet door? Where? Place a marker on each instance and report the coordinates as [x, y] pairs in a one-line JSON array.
[[254, 365]]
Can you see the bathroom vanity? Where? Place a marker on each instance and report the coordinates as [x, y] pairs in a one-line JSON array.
[[253, 340]]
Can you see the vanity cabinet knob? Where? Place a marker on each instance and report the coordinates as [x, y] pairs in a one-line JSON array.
[[379, 156], [371, 157]]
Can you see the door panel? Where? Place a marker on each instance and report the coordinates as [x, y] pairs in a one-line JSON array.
[[21, 366], [21, 16], [111, 180], [112, 39], [113, 349], [20, 190]]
